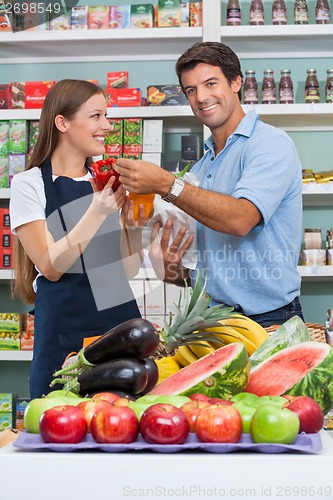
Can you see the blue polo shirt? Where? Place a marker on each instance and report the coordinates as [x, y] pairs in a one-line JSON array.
[[257, 272]]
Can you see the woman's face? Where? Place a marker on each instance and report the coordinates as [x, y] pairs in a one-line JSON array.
[[85, 132]]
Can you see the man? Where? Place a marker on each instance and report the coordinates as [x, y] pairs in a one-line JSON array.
[[248, 207]]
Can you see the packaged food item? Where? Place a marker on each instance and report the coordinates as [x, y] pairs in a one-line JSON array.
[[312, 92], [123, 97], [250, 87], [166, 95], [33, 134], [114, 138], [62, 22], [4, 95], [257, 13], [120, 16], [4, 137], [79, 17], [313, 257], [16, 164], [117, 79], [301, 14], [98, 17], [4, 179], [133, 130], [323, 12], [9, 330], [6, 402], [17, 136], [329, 87], [286, 91], [142, 16], [184, 14], [4, 218], [20, 406], [195, 14], [279, 12], [268, 90], [233, 13], [312, 238], [27, 333], [168, 13]]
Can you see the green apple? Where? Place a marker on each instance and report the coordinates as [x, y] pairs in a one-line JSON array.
[[277, 400], [247, 411], [139, 408], [62, 393], [148, 399], [245, 396], [35, 408], [274, 424], [175, 400]]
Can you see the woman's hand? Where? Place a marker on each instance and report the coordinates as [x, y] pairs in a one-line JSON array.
[[127, 215], [107, 201], [166, 257]]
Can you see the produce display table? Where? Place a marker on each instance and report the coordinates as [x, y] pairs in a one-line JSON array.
[[40, 475]]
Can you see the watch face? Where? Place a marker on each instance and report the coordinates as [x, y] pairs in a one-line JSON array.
[[177, 187]]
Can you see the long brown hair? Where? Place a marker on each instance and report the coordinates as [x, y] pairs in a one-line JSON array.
[[64, 98]]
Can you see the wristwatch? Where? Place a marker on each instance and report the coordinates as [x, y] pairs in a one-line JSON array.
[[174, 191]]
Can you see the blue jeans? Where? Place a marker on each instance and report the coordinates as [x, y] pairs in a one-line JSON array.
[[279, 316]]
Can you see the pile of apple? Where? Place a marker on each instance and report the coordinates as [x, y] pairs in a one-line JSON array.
[[63, 417]]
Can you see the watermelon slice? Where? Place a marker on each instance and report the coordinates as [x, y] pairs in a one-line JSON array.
[[220, 374], [292, 332], [305, 369]]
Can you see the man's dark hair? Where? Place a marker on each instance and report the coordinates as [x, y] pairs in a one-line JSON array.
[[215, 54]]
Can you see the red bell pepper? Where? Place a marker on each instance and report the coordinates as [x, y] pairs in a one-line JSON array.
[[102, 170]]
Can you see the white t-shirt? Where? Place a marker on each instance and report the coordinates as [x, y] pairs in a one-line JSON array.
[[28, 200], [27, 197]]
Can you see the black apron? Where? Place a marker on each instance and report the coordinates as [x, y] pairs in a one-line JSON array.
[[90, 298]]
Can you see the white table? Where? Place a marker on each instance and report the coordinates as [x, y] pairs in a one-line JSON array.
[[45, 475]]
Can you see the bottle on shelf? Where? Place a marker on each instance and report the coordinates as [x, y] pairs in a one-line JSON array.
[[301, 13], [233, 13], [279, 12], [268, 89], [286, 91], [322, 12], [256, 13], [329, 87], [250, 87], [312, 93]]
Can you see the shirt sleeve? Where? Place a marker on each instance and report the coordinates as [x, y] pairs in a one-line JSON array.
[[270, 168], [26, 200]]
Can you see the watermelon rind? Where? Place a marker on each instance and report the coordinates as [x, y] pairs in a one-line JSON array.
[[222, 374], [292, 332], [305, 369]]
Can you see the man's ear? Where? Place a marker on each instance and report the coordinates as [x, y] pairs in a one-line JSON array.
[[60, 123], [236, 84]]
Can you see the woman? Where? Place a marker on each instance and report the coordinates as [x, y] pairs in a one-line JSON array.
[[71, 243]]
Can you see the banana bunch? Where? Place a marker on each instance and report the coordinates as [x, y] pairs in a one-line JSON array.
[[239, 329]]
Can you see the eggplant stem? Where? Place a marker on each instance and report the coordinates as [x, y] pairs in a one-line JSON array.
[[76, 367]]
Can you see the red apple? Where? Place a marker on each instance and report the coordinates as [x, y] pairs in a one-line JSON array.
[[191, 410], [219, 424], [199, 397], [89, 409], [121, 402], [115, 424], [309, 413], [164, 423], [63, 424], [219, 401], [105, 396]]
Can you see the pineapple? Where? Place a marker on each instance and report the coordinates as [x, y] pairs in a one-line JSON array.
[[192, 317]]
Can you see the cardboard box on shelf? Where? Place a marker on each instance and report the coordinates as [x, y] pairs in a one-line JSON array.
[[142, 16], [4, 137], [114, 138], [126, 97], [6, 421], [6, 402], [168, 13], [6, 258], [27, 332], [18, 136], [152, 158], [4, 218], [98, 17], [117, 79], [10, 326], [6, 238], [79, 17], [4, 174], [152, 136], [133, 129], [166, 95], [20, 406], [120, 16]]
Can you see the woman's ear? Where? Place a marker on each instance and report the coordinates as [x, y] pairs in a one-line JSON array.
[[60, 123]]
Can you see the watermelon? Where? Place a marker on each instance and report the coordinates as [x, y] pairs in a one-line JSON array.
[[305, 369], [292, 332], [220, 374]]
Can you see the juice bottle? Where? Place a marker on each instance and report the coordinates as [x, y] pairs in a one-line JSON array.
[[322, 12], [268, 89], [279, 12], [233, 13], [329, 86], [256, 13], [286, 92], [301, 15], [250, 87], [312, 94]]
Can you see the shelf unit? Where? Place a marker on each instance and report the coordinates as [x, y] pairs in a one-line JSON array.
[[14, 355]]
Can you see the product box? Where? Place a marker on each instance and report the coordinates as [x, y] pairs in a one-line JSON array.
[[142, 16], [33, 134], [30, 19], [62, 22], [16, 164], [29, 95], [9, 331], [6, 402], [17, 136], [132, 156], [190, 147], [168, 13], [117, 79], [79, 17], [98, 17], [152, 158], [120, 16], [6, 238], [123, 97], [6, 421], [5, 19], [6, 258], [27, 333], [138, 289], [4, 218], [20, 406], [313, 257], [132, 136], [114, 138], [4, 94], [154, 297], [4, 181], [166, 95], [4, 137], [184, 14], [153, 136], [195, 14]]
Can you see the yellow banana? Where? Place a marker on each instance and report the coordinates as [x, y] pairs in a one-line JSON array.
[[167, 366], [229, 335], [184, 356], [201, 350], [247, 327]]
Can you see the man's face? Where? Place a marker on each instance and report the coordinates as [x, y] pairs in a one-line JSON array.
[[213, 100]]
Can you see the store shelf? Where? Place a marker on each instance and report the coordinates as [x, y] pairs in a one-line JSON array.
[[282, 41], [8, 355], [6, 275], [316, 273], [96, 45], [318, 195]]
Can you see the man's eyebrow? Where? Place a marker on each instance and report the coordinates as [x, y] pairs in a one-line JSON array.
[[205, 81]]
